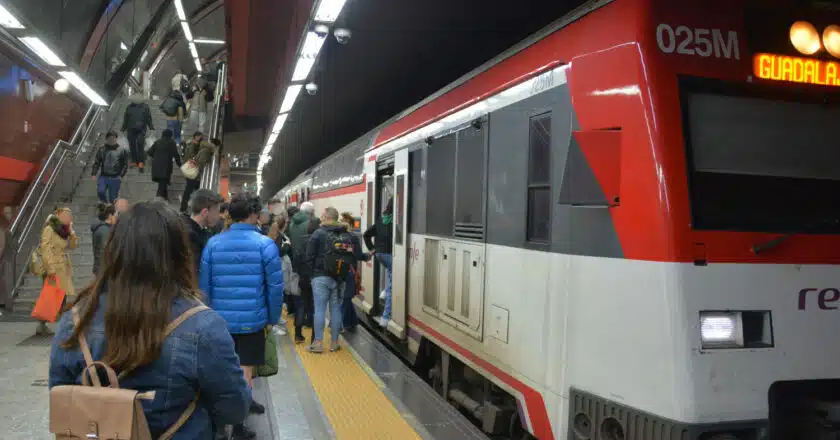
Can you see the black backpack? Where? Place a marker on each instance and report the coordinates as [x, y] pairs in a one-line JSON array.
[[340, 256], [169, 106], [185, 84]]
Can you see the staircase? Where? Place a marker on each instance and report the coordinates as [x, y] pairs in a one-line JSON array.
[[136, 186]]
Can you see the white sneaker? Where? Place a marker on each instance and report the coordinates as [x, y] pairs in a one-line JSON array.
[[382, 322], [280, 330]]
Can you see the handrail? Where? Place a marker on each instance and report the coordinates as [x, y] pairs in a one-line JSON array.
[[32, 187], [210, 178]]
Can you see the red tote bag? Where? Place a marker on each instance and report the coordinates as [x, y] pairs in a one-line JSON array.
[[49, 302]]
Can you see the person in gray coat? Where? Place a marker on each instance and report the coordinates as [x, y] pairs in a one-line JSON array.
[[107, 216]]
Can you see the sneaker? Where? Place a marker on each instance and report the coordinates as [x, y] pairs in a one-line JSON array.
[[299, 339], [334, 347], [240, 432], [382, 322], [280, 330], [316, 347], [256, 408]]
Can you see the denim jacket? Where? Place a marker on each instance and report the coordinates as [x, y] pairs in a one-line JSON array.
[[198, 357]]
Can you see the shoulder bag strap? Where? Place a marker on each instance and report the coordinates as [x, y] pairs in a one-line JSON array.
[[85, 349], [191, 407]]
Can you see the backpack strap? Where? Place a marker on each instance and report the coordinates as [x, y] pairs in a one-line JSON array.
[[85, 350]]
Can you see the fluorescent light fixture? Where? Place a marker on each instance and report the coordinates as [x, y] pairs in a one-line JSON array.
[[291, 96], [179, 8], [145, 54], [193, 50], [278, 124], [9, 21], [197, 64], [328, 10], [208, 41], [302, 69], [311, 45], [36, 45], [123, 46], [187, 32], [83, 87], [272, 139]]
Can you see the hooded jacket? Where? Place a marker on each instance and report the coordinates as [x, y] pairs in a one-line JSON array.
[[297, 232], [242, 278], [163, 152], [111, 161], [320, 242], [137, 117], [100, 232], [382, 233]]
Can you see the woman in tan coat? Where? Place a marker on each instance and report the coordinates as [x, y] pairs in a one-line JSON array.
[[57, 239]]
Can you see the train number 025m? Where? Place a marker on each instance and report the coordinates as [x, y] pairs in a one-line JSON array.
[[703, 42]]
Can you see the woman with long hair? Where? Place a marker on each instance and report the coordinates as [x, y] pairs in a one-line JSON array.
[[57, 240], [146, 281]]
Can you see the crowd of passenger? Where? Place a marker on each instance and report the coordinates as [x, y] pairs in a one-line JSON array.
[[243, 262]]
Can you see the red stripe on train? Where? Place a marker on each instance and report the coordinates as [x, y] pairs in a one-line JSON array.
[[533, 399], [340, 191]]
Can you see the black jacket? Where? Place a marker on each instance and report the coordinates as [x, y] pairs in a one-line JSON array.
[[111, 161], [163, 152], [137, 116], [384, 237], [100, 233], [319, 242], [198, 239]]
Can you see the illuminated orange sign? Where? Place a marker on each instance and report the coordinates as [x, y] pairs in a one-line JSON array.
[[799, 70]]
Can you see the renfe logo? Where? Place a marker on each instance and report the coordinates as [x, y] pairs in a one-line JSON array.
[[825, 297]]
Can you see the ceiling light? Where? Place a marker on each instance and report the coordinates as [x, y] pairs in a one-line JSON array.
[[83, 87], [278, 124], [289, 99], [193, 50], [328, 10], [197, 64], [123, 46], [271, 140], [145, 54], [312, 45], [179, 8], [187, 33], [62, 85], [41, 49], [302, 69], [208, 41], [9, 21]]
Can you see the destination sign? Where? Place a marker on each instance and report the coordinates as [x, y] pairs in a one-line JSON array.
[[794, 69]]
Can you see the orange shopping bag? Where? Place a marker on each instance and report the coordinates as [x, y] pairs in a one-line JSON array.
[[49, 302]]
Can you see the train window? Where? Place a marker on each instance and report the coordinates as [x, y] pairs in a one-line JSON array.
[[440, 180], [469, 188], [370, 213], [398, 210], [539, 179]]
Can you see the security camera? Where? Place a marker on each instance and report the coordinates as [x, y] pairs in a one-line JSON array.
[[321, 30], [312, 88], [342, 35]]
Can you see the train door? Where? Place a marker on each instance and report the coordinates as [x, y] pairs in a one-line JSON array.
[[399, 277], [384, 192]]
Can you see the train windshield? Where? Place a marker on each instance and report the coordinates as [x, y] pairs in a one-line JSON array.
[[762, 162]]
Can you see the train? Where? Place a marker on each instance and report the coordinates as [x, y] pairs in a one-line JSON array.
[[624, 227]]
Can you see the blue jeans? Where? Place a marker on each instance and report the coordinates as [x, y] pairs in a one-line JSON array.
[[108, 188], [175, 126], [327, 291], [386, 261]]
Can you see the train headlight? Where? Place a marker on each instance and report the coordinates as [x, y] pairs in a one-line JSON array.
[[721, 330], [805, 38]]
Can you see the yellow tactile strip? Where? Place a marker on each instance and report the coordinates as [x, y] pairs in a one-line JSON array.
[[355, 406]]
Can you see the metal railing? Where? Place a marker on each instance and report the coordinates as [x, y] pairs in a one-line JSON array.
[[212, 173], [53, 174]]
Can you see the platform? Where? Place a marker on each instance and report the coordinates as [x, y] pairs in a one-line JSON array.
[[362, 392]]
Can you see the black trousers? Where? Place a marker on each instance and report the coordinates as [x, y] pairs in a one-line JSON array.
[[305, 310], [163, 189], [190, 187], [137, 145]]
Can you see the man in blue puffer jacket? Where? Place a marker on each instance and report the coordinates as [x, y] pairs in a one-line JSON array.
[[241, 275]]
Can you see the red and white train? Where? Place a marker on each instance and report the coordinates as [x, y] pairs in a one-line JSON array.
[[625, 227]]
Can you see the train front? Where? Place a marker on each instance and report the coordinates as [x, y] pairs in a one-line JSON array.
[[747, 102]]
